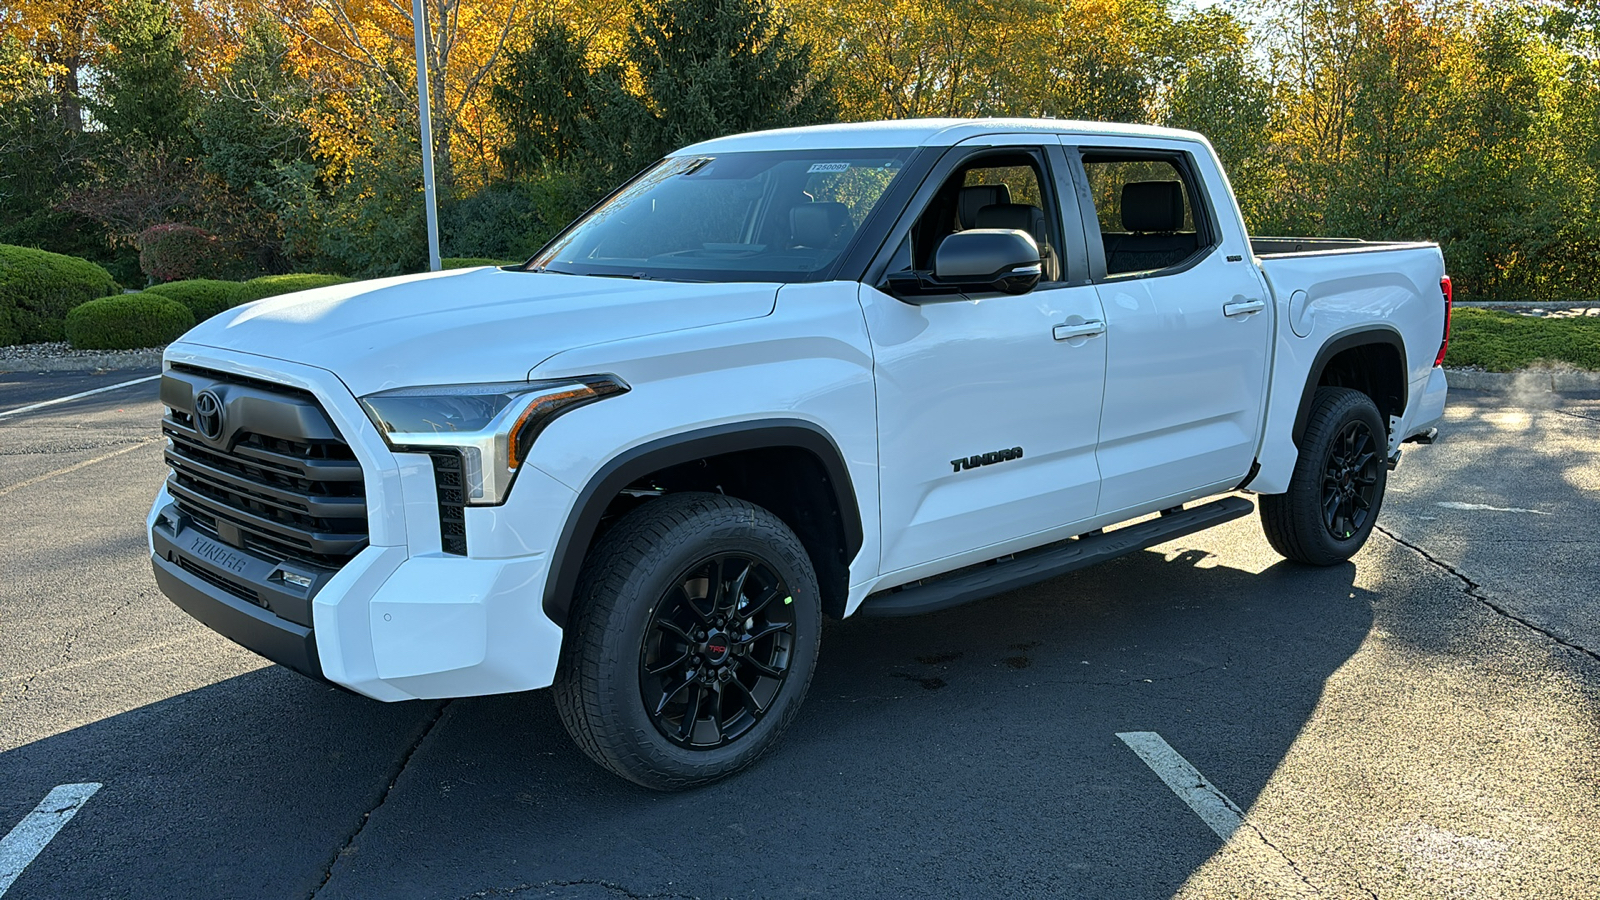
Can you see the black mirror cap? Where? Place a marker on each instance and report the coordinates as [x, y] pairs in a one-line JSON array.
[[989, 259]]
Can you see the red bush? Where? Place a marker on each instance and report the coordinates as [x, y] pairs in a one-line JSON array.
[[177, 252]]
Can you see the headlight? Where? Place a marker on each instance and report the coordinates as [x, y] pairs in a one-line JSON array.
[[492, 426]]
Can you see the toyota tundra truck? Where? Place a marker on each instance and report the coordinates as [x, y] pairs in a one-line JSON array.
[[871, 369]]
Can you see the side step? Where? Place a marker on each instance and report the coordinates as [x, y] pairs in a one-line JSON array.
[[1034, 566]]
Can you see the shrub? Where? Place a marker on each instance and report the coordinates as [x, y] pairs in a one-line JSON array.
[[178, 252], [204, 297], [127, 322], [39, 288], [273, 285], [468, 262]]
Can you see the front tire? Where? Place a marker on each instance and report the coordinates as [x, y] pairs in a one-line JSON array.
[[1338, 482], [692, 642]]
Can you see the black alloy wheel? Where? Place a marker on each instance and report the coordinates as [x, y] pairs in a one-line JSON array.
[[1350, 480], [1336, 490], [692, 640], [717, 651]]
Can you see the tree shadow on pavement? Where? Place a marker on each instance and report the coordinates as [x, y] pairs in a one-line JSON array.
[[968, 753]]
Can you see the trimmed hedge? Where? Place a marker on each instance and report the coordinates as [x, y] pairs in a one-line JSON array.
[[470, 262], [127, 322], [1502, 341], [204, 297], [39, 288], [273, 285]]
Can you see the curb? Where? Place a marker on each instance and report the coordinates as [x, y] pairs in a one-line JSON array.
[[94, 362], [1526, 304], [1523, 382]]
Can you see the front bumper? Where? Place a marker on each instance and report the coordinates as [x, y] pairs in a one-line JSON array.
[[401, 619], [226, 612]]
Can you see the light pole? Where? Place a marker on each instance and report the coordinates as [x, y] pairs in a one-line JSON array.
[[419, 27]]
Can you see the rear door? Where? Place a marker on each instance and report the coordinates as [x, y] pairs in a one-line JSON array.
[[988, 404], [1188, 321]]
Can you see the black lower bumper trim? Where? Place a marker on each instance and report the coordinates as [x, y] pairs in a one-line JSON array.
[[239, 620]]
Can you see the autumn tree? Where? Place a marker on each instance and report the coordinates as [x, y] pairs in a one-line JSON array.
[[61, 37]]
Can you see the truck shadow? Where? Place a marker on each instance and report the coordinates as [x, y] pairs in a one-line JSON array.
[[973, 752]]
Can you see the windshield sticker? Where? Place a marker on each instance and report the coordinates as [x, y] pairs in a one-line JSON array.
[[828, 167]]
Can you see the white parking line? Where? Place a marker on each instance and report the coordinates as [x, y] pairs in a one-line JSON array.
[[1206, 799], [37, 828], [78, 396], [1480, 507]]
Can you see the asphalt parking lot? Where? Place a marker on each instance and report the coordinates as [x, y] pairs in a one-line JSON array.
[[1420, 722]]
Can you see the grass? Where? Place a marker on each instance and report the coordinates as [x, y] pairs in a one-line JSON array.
[[1504, 342]]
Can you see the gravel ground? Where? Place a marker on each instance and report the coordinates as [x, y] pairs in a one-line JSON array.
[[58, 356]]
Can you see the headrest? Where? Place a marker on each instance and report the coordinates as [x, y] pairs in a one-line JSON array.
[[1152, 206], [1020, 216], [975, 197], [817, 224]]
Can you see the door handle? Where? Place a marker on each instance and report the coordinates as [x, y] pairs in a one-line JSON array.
[[1243, 307], [1087, 329]]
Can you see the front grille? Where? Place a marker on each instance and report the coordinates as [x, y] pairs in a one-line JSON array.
[[279, 480]]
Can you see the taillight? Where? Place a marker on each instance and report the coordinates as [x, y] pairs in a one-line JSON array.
[[1449, 301]]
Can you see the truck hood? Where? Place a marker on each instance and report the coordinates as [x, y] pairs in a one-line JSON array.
[[469, 325]]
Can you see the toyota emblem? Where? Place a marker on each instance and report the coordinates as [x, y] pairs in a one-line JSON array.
[[208, 414]]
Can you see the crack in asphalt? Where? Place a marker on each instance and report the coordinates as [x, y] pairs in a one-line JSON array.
[[405, 760], [611, 886], [1045, 683], [1293, 866], [1567, 412], [65, 656], [1475, 590]]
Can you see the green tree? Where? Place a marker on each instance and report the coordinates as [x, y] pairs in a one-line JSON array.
[[145, 95], [1493, 211], [246, 132], [41, 157], [689, 70], [715, 67], [565, 112]]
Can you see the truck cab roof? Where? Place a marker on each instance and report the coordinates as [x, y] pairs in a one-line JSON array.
[[918, 133]]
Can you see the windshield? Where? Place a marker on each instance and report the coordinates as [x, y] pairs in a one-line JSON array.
[[779, 215]]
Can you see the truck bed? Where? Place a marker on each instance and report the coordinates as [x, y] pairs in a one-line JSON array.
[[1274, 247]]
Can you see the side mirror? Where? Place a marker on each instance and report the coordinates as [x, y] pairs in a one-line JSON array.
[[989, 259]]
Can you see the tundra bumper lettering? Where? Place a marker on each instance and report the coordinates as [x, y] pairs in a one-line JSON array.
[[235, 593]]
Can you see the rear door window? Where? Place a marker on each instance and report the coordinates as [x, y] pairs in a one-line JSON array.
[[1147, 211]]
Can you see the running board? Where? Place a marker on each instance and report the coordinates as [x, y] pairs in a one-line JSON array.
[[1033, 566]]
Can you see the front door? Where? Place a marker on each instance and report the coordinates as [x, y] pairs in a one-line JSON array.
[[988, 404]]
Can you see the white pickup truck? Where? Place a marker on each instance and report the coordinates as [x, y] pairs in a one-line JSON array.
[[871, 369]]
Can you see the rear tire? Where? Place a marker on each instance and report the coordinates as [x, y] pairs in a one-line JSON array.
[[1338, 482], [692, 641]]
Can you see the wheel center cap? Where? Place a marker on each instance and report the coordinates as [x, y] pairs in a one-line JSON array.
[[718, 647]]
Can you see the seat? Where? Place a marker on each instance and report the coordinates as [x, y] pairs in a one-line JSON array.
[[1030, 219], [1152, 216], [819, 226], [974, 197]]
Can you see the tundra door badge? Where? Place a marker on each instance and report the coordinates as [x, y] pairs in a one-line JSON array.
[[986, 459]]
